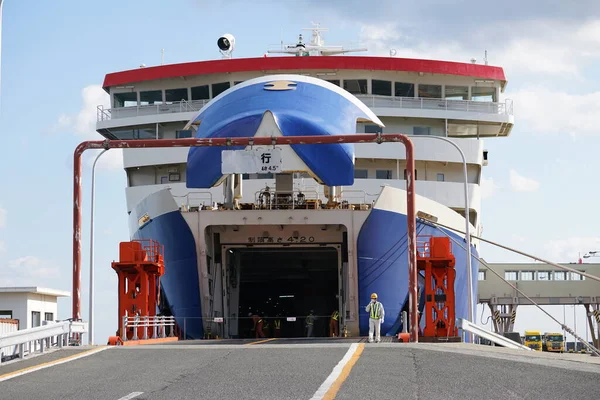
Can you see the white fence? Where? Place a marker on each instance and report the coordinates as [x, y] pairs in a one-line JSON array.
[[28, 341], [138, 323]]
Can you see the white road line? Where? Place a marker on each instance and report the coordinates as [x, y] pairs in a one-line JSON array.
[[49, 364], [131, 395], [337, 370]]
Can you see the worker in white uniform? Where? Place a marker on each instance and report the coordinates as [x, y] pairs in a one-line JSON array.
[[376, 316]]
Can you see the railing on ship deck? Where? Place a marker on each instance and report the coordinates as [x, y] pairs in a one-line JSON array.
[[416, 103]]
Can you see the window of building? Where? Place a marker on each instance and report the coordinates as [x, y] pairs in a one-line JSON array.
[[402, 89], [361, 174], [381, 88], [128, 99], [481, 275], [456, 93], [430, 91], [479, 93], [581, 277], [264, 176], [172, 95], [559, 275], [183, 134], [151, 97], [218, 88], [544, 275], [48, 316], [421, 130], [383, 174], [510, 275], [6, 314], [527, 275], [356, 86], [200, 93], [142, 132], [440, 177], [35, 319], [572, 276], [373, 129], [415, 174]]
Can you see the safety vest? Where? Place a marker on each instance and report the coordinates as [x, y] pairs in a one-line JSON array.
[[277, 324], [376, 310], [335, 315], [309, 320]]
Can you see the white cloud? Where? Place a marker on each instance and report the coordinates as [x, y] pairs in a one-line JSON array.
[[520, 183], [569, 249], [549, 111], [2, 247], [2, 217], [28, 271], [112, 160], [488, 188], [84, 123]]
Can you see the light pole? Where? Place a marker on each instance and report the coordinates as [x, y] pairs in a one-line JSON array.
[[91, 317], [467, 224], [1, 1]]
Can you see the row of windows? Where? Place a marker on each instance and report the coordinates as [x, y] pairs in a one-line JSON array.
[[354, 86], [538, 276], [358, 174]]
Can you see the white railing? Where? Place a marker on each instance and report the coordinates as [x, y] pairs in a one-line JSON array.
[[157, 323], [106, 114], [194, 199], [26, 341], [485, 107], [491, 336]]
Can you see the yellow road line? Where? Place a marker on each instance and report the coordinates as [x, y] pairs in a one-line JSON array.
[[261, 341], [337, 384], [63, 360]]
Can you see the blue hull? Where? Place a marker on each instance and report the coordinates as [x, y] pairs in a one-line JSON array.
[[383, 268], [179, 284]]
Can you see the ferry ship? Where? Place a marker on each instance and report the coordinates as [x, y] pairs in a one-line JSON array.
[[326, 226]]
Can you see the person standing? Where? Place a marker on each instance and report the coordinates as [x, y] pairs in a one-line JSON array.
[[310, 324], [376, 317], [334, 324]]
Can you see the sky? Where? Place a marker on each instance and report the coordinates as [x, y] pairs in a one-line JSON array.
[[540, 189]]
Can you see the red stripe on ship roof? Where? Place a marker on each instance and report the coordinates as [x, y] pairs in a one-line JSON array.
[[303, 63]]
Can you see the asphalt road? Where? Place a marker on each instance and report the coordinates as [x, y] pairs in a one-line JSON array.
[[296, 371]]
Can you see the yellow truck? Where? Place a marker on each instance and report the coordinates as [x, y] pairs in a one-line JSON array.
[[533, 340], [553, 341]]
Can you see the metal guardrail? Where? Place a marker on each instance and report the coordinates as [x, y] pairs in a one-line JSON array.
[[491, 336], [55, 334], [486, 107], [157, 323]]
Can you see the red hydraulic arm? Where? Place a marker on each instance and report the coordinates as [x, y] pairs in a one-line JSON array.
[[434, 256], [139, 268], [264, 141]]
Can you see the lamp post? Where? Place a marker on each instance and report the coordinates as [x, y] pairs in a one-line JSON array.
[[1, 1], [467, 224], [91, 301]]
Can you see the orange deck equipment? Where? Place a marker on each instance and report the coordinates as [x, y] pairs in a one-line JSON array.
[[140, 266], [435, 258]]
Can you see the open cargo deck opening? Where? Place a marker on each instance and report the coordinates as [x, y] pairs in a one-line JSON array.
[[277, 283]]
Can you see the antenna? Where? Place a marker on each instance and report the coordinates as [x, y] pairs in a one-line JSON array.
[[485, 58], [393, 52], [162, 56]]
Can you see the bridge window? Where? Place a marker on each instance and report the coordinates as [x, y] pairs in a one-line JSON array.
[[361, 174], [421, 130], [237, 82], [151, 97], [200, 93], [142, 132], [336, 82], [402, 89], [479, 93], [559, 275], [182, 134], [381, 88], [430, 91], [356, 86], [457, 93], [510, 275], [128, 99], [373, 129], [383, 174], [172, 95], [218, 88], [481, 275], [527, 275], [440, 177]]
